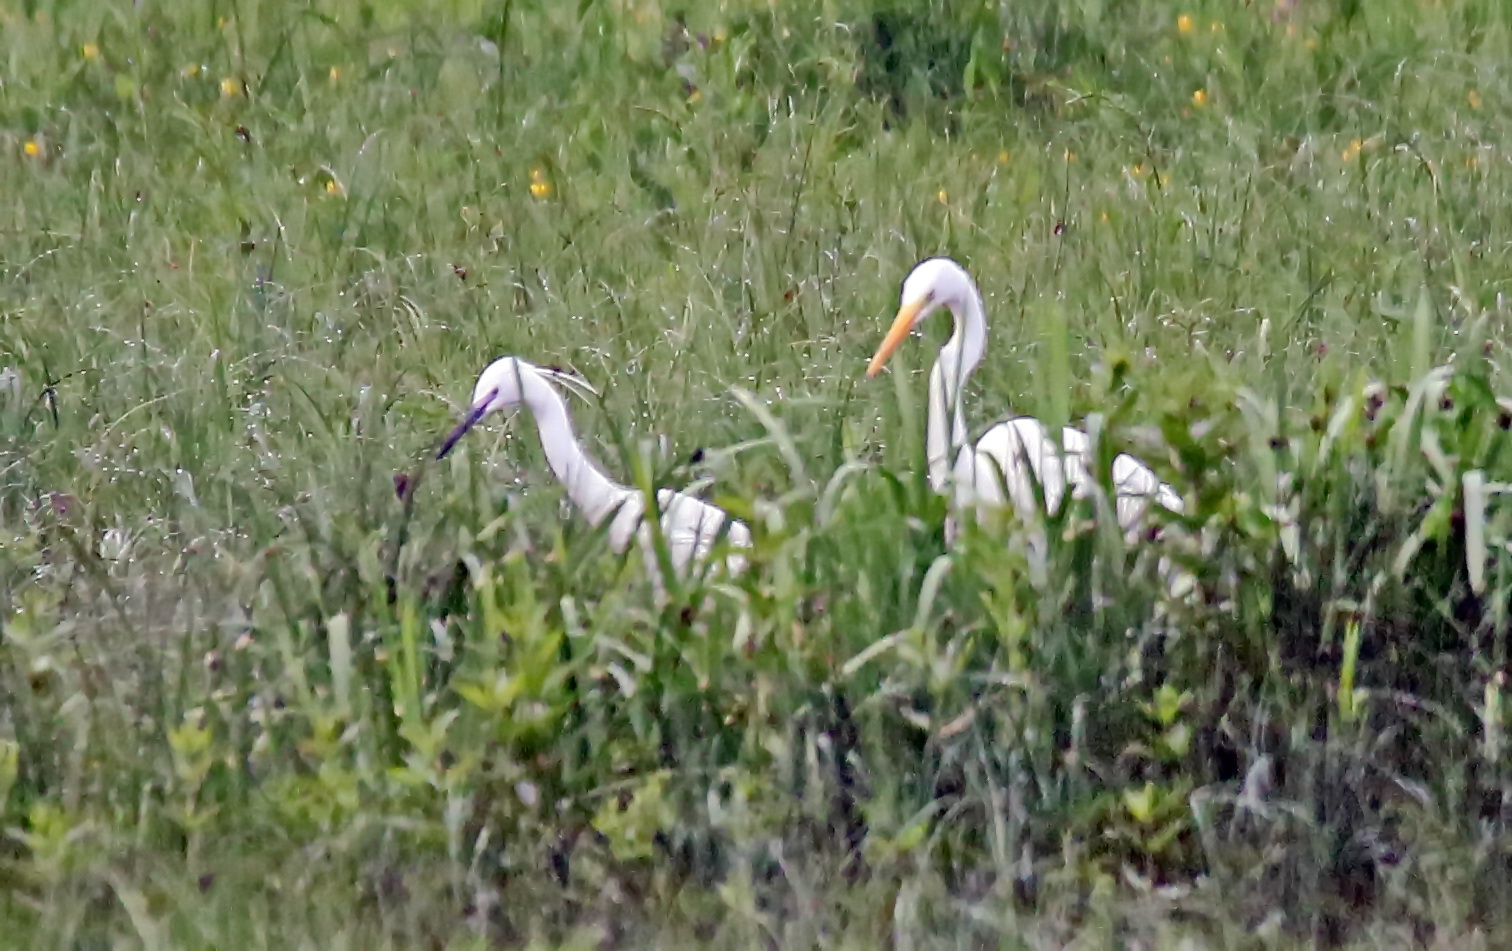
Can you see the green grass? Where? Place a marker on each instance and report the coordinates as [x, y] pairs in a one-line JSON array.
[[254, 254]]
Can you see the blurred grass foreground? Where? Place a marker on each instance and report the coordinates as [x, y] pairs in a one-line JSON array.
[[271, 677]]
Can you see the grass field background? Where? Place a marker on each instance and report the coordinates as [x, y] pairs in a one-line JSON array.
[[254, 255]]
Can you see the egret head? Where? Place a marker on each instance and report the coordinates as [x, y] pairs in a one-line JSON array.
[[932, 284], [503, 386]]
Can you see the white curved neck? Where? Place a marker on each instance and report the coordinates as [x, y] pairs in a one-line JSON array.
[[597, 495], [946, 429]]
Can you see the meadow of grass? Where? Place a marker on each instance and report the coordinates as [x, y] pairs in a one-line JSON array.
[[254, 254]]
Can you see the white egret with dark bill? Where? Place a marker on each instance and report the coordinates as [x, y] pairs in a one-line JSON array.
[[690, 526]]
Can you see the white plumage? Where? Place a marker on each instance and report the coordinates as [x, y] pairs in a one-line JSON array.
[[690, 526], [996, 463], [1013, 456]]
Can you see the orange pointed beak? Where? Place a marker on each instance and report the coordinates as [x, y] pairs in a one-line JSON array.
[[901, 325]]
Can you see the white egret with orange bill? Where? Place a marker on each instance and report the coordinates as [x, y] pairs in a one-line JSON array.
[[1013, 456]]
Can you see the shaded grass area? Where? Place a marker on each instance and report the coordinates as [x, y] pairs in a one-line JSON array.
[[254, 256]]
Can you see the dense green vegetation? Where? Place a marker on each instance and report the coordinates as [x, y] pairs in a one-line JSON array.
[[254, 255]]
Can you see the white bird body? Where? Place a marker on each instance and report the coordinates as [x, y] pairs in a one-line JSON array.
[[1013, 457], [690, 526]]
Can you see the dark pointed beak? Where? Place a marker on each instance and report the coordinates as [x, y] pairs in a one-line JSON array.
[[471, 420]]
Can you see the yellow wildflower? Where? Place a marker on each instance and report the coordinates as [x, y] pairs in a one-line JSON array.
[[230, 86], [32, 148], [190, 71], [1474, 98], [1103, 217], [1003, 157], [1164, 179], [1200, 98], [943, 196], [1184, 24], [333, 186], [1353, 151], [335, 73], [539, 186], [90, 51], [1140, 170]]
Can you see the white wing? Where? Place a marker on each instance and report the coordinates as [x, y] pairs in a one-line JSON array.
[[1134, 483], [691, 526], [1012, 453], [1008, 461]]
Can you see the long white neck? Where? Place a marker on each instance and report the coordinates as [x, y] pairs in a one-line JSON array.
[[946, 430], [597, 495]]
